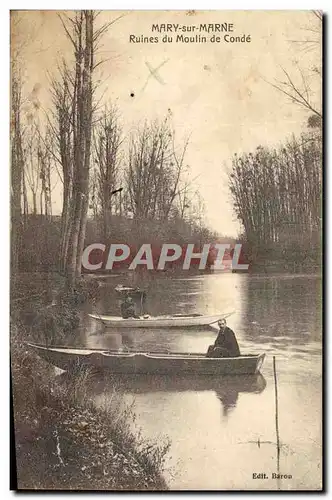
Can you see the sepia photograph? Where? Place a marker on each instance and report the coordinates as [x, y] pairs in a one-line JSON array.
[[166, 234]]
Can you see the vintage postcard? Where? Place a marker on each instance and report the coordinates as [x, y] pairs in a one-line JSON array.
[[166, 250]]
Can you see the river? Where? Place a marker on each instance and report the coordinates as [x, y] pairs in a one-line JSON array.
[[224, 432]]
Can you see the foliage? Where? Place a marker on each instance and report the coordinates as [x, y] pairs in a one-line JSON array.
[[154, 171], [277, 197], [64, 442], [39, 247], [106, 197], [48, 311]]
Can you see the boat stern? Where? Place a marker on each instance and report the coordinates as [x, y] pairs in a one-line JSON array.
[[260, 361]]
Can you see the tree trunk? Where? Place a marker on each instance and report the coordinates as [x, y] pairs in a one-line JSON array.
[[17, 164]]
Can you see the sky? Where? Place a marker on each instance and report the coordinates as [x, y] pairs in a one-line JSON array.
[[216, 93]]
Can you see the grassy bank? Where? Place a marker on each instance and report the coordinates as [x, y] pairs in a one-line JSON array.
[[63, 441]]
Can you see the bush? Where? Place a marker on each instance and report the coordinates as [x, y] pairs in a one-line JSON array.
[[64, 442]]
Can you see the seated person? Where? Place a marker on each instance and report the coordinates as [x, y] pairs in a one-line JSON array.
[[226, 345], [128, 308]]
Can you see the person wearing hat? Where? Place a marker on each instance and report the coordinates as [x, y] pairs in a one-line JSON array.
[[225, 345]]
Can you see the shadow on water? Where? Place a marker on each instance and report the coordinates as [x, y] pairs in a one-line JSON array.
[[277, 315], [226, 389], [166, 295]]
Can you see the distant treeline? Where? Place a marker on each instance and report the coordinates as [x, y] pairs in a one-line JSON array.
[[135, 187], [126, 186], [277, 195], [40, 237]]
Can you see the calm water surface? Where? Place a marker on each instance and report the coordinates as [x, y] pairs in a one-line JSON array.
[[224, 431]]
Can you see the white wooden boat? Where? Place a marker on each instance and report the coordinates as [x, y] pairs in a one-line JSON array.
[[175, 321], [149, 362], [124, 290]]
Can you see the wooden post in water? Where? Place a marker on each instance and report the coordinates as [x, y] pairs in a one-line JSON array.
[[276, 413]]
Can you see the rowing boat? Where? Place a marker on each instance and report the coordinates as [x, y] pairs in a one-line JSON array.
[[127, 290], [68, 358], [175, 321]]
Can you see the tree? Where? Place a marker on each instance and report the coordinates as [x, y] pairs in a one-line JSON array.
[[63, 133], [277, 194], [298, 87], [45, 168], [16, 139], [107, 157], [17, 166], [74, 102], [154, 171]]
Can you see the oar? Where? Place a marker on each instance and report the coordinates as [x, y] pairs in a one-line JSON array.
[[97, 313], [222, 317], [141, 304]]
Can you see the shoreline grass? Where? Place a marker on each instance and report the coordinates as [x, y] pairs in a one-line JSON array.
[[63, 441]]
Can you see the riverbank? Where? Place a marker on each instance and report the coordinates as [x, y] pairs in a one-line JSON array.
[[62, 440], [271, 267], [279, 315]]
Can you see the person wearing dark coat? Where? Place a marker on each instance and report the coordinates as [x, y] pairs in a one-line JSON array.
[[128, 308], [225, 345]]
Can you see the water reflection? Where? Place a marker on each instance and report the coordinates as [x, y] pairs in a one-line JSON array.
[[278, 315], [228, 400], [284, 309], [150, 339], [168, 383], [226, 389], [274, 314], [171, 296]]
